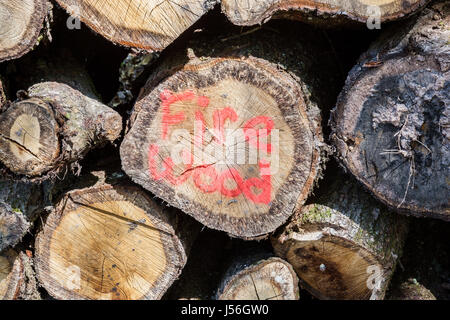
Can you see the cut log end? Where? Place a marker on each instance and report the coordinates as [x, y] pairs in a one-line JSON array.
[[247, 13], [269, 279], [144, 24], [29, 141], [391, 124], [226, 140], [20, 25], [108, 242]]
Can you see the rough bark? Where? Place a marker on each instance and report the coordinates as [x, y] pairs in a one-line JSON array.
[[144, 24], [411, 290], [20, 25], [54, 127], [344, 245], [391, 122], [252, 12], [17, 278], [3, 98], [259, 279], [131, 249], [235, 86]]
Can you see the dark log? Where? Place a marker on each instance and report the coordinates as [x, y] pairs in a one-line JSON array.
[[411, 290], [344, 245], [233, 86], [20, 25], [391, 124], [252, 12]]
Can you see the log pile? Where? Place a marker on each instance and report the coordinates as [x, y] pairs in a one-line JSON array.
[[254, 122]]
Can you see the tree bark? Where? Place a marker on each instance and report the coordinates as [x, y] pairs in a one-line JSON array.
[[259, 279], [144, 24], [229, 137], [131, 249], [344, 245], [391, 122], [411, 290], [21, 25], [252, 12], [54, 127], [17, 278]]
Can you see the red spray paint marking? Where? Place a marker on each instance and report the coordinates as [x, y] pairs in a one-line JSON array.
[[217, 181]]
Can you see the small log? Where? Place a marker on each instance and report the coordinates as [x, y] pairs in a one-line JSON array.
[[131, 248], [21, 25], [391, 123], [411, 290], [252, 12], [144, 24], [3, 98], [266, 279], [229, 137], [17, 279], [344, 245], [55, 127]]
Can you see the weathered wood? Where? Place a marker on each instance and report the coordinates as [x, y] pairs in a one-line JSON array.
[[20, 25], [344, 245], [145, 24], [17, 278], [252, 12], [131, 248], [391, 122], [264, 279], [411, 290], [177, 146], [55, 127]]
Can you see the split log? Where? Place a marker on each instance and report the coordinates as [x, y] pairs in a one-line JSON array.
[[344, 245], [131, 247], [145, 24], [55, 127], [17, 279], [266, 279], [252, 12], [230, 138], [20, 25], [391, 122]]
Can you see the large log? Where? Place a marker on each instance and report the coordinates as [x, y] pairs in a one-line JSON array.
[[17, 278], [344, 245], [230, 137], [145, 24], [20, 24], [264, 279], [53, 128], [391, 122], [131, 248], [252, 12]]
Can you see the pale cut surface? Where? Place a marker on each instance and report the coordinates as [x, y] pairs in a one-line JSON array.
[[250, 12], [145, 24], [271, 279], [10, 273], [21, 22], [28, 137], [246, 185], [128, 250]]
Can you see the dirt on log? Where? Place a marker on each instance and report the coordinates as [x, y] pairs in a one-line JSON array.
[[252, 12], [132, 248], [344, 245], [391, 124], [20, 24], [144, 24], [233, 136]]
